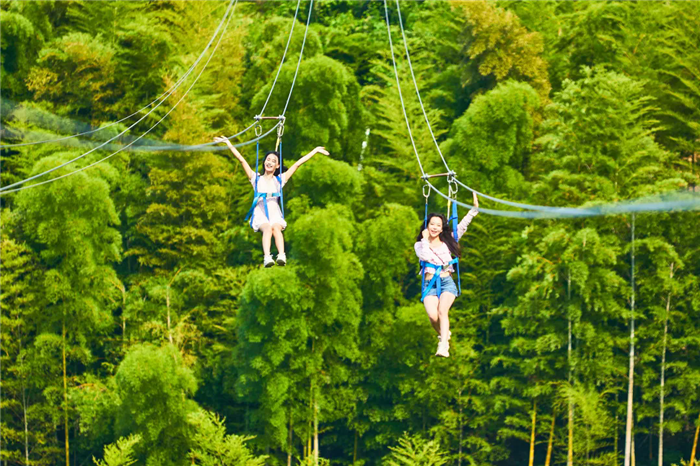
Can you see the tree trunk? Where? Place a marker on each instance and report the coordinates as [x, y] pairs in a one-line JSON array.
[[24, 401], [312, 411], [695, 444], [123, 289], [550, 443], [617, 435], [461, 429], [167, 304], [315, 430], [26, 427], [630, 386], [570, 449], [663, 374], [354, 450], [65, 393], [289, 445], [532, 434]]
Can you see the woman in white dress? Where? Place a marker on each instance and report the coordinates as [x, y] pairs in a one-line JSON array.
[[266, 213]]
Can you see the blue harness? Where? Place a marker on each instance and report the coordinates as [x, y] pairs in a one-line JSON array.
[[437, 269], [265, 196]]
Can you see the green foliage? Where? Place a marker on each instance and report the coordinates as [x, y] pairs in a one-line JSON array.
[[598, 143], [119, 453], [212, 447], [154, 389], [502, 47], [326, 107], [23, 406], [491, 143], [326, 181], [187, 344], [76, 73], [182, 229], [264, 48], [414, 451], [17, 30]]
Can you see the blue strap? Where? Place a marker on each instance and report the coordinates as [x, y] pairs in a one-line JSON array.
[[255, 186], [455, 224], [279, 178], [258, 197], [437, 269], [435, 281], [422, 267]]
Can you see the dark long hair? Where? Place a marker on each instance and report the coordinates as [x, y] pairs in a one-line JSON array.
[[445, 235], [278, 170]]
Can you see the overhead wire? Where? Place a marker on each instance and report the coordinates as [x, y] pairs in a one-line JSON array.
[[169, 147], [7, 189], [164, 94], [200, 147], [682, 201]]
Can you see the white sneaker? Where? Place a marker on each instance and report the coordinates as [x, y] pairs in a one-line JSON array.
[[443, 350], [268, 261], [281, 259]]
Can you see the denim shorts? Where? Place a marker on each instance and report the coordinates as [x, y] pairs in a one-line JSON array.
[[447, 285]]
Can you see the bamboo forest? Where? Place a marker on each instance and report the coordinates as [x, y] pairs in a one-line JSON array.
[[144, 322]]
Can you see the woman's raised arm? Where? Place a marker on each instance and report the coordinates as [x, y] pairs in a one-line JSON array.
[[301, 161], [248, 171], [464, 223]]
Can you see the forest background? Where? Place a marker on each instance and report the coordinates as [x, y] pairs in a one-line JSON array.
[[138, 323]]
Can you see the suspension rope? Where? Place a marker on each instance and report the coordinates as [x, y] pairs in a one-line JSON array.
[[241, 144], [415, 85], [672, 202], [163, 96], [398, 87], [231, 8], [289, 39], [301, 53], [166, 94]]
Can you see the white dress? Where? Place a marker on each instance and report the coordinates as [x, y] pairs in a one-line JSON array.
[[273, 203]]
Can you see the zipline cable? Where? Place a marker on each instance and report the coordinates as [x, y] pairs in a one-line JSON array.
[[437, 146], [415, 85], [164, 94], [6, 189], [289, 40], [674, 202], [301, 53], [240, 144], [167, 93], [206, 146]]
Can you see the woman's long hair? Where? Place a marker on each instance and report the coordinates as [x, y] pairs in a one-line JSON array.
[[445, 235], [278, 170]]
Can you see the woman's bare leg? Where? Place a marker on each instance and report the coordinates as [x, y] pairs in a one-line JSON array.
[[431, 307], [279, 237], [267, 238], [444, 305]]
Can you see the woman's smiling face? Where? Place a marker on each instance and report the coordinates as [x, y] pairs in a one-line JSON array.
[[435, 226], [271, 163]]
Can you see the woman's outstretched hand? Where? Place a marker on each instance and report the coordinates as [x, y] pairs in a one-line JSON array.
[[236, 154], [476, 201], [319, 150], [426, 235]]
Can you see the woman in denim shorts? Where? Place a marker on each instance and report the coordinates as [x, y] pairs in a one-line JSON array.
[[435, 246]]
